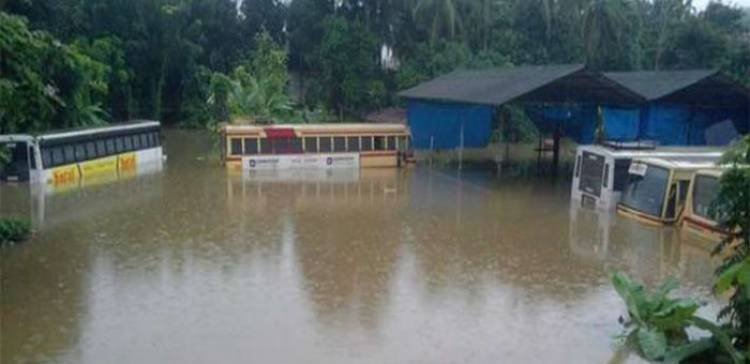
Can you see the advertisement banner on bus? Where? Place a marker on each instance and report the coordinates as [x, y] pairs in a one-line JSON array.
[[99, 167], [66, 175], [301, 161]]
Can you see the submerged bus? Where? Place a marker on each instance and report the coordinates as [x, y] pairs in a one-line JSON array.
[[657, 188], [601, 172], [324, 146], [68, 157]]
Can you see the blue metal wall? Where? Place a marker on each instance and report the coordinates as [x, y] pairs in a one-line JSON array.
[[442, 122]]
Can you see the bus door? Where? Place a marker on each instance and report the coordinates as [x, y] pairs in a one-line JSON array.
[[17, 166]]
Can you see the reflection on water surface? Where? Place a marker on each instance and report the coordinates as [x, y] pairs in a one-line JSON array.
[[421, 266]]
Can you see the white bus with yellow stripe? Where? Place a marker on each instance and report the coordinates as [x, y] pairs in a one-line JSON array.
[[66, 158]]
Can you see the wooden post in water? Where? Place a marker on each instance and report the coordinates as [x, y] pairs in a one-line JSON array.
[[556, 149]]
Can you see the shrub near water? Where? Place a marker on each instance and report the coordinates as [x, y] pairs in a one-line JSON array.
[[14, 231]]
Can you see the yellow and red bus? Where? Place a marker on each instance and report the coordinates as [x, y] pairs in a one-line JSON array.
[[71, 157], [325, 146]]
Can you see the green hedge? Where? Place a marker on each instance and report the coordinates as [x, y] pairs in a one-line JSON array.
[[14, 230]]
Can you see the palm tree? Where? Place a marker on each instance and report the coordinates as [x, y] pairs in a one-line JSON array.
[[605, 28], [440, 16]]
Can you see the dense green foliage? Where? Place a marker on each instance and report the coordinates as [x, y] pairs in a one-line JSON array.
[[733, 207], [13, 230], [45, 83], [158, 58], [657, 323]]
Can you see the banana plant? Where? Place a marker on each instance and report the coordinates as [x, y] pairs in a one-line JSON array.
[[658, 324]]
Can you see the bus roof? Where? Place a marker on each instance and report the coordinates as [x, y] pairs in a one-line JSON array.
[[665, 152], [683, 163], [332, 127], [136, 124], [10, 138]]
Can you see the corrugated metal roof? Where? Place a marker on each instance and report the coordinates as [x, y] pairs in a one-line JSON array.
[[490, 87], [654, 85]]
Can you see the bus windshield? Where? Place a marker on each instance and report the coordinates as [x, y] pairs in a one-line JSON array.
[[646, 193], [704, 192]]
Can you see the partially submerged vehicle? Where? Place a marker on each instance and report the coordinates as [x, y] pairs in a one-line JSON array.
[[657, 188], [601, 171], [70, 157], [321, 146], [699, 219]]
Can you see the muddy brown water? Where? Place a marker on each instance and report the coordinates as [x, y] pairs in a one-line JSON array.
[[196, 265]]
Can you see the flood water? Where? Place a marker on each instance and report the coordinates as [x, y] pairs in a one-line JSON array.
[[196, 265]]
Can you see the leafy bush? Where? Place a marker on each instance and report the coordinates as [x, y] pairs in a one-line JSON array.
[[657, 324], [732, 205], [13, 231]]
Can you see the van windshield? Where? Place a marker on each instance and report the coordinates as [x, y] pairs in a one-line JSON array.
[[646, 193], [704, 192]]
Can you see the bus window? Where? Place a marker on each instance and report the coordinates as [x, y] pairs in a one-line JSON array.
[[391, 143], [353, 144], [402, 143], [265, 146], [578, 166], [128, 143], [46, 157], [366, 143], [137, 142], [621, 174], [111, 146], [58, 157], [684, 185], [295, 145], [80, 152], [235, 146], [17, 168], [325, 144], [379, 143], [591, 173], [91, 150], [646, 193], [705, 190], [251, 146], [70, 156], [339, 144], [101, 148], [119, 145], [32, 158], [311, 145]]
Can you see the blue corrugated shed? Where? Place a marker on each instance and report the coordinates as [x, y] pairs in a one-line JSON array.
[[694, 107], [667, 124], [441, 123]]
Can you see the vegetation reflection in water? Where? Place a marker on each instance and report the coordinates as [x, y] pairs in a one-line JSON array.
[[196, 264]]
